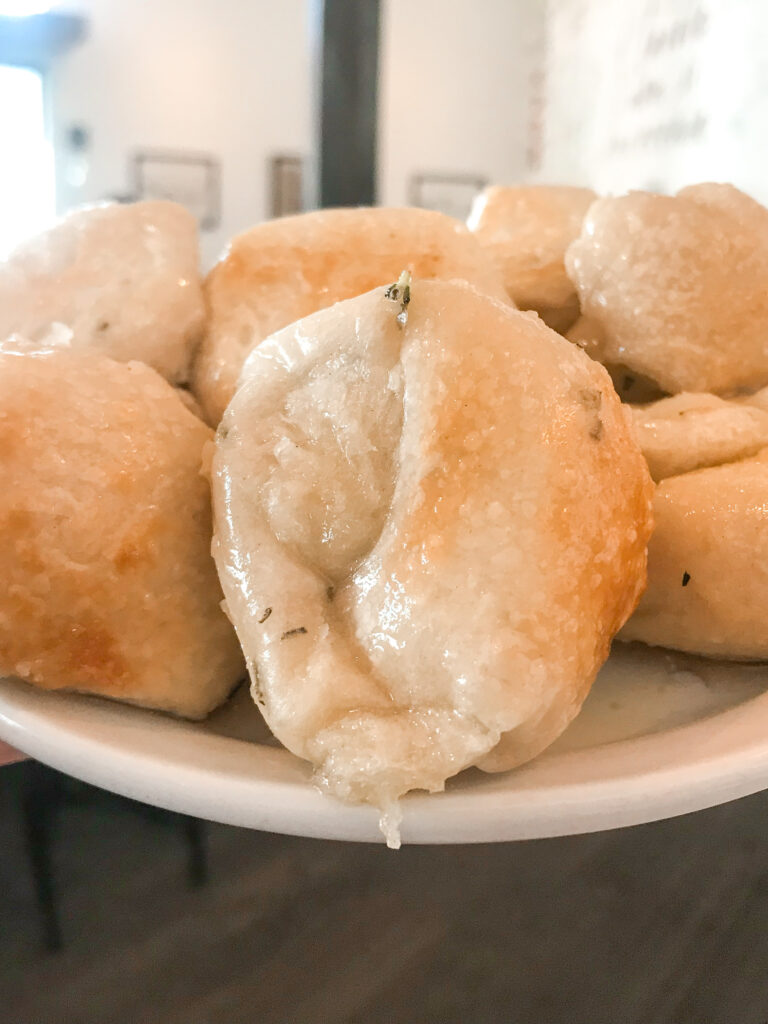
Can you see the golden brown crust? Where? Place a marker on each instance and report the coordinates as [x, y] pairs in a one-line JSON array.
[[121, 279], [527, 229], [678, 286], [109, 587], [707, 583], [693, 431], [283, 270]]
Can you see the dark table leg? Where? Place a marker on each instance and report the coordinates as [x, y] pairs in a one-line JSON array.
[[38, 807]]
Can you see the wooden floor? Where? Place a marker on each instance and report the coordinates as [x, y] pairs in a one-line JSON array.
[[663, 924]]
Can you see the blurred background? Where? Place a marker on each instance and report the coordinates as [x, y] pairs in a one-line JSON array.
[[244, 109], [247, 109]]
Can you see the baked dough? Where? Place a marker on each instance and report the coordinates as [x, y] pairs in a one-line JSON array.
[[526, 229], [630, 386], [692, 431], [427, 536], [758, 399], [285, 269], [708, 564], [105, 528], [122, 279], [679, 286]]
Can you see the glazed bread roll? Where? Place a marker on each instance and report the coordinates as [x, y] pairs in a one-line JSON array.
[[678, 286], [758, 399], [190, 402], [630, 385], [121, 279], [105, 528], [526, 229], [283, 270], [427, 535], [691, 431], [707, 575]]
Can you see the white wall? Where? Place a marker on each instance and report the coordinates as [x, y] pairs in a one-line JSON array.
[[229, 77], [454, 89], [234, 78], [657, 94]]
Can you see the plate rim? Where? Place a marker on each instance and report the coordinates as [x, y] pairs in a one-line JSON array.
[[667, 773]]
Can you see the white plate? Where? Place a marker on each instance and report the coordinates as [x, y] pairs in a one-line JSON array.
[[660, 735]]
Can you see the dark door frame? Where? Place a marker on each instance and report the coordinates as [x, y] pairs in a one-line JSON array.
[[348, 72]]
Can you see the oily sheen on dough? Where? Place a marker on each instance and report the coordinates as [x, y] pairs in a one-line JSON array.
[[105, 527], [286, 269], [707, 564], [526, 229], [678, 286], [122, 279], [427, 536]]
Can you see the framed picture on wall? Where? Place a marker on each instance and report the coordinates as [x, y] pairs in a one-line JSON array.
[[191, 179], [286, 184], [448, 193]]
